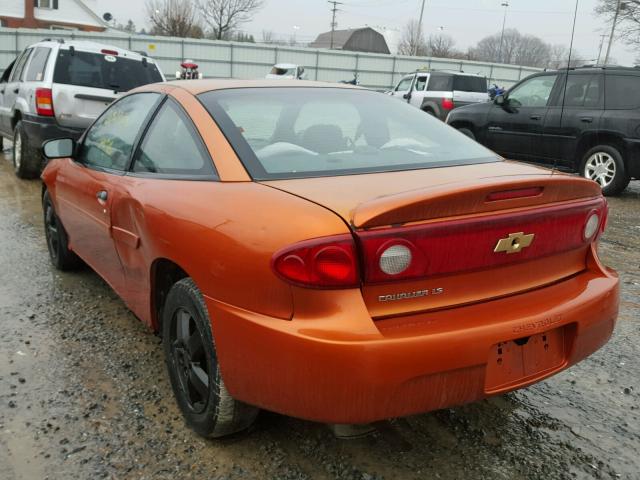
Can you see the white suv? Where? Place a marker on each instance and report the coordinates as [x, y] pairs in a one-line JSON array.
[[56, 89]]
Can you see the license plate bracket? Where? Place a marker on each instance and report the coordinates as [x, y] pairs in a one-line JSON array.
[[520, 361]]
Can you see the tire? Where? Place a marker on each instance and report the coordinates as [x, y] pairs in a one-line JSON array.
[[604, 164], [467, 132], [26, 159], [57, 240], [191, 360]]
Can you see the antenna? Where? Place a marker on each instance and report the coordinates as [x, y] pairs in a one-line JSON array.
[[333, 19], [566, 80]]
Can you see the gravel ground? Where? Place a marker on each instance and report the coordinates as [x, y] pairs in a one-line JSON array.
[[84, 392]]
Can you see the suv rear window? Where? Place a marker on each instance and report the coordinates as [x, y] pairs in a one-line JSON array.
[[469, 84], [103, 71], [622, 92]]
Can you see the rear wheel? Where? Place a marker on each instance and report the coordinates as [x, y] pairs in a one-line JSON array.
[[604, 165], [26, 161], [193, 366], [57, 241]]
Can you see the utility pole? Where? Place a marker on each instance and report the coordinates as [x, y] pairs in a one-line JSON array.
[[613, 31], [602, 37], [333, 19], [419, 32], [504, 22]]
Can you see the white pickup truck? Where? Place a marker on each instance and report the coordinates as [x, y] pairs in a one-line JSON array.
[[439, 92]]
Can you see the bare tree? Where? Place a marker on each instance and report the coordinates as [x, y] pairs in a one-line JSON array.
[[411, 43], [560, 57], [175, 18], [442, 46], [224, 16], [516, 49], [628, 25]]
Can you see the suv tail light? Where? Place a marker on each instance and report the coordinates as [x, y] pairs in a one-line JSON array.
[[44, 102], [109, 52], [448, 104], [329, 262]]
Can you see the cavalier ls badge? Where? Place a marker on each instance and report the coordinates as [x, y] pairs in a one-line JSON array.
[[514, 243]]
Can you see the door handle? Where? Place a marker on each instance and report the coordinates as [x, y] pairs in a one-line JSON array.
[[535, 117], [102, 195], [586, 119]]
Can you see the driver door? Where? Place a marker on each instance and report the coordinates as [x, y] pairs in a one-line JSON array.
[[514, 129], [87, 187], [402, 88]]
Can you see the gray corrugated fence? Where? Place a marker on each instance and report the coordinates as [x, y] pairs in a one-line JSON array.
[[248, 60]]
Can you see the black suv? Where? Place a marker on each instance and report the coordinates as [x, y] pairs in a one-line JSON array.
[[597, 133]]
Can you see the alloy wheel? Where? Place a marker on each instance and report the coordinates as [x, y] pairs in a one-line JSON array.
[[17, 150], [189, 360], [600, 167]]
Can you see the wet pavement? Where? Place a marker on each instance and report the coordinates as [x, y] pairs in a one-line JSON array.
[[84, 392]]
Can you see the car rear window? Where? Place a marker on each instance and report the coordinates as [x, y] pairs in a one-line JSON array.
[[110, 72], [296, 132], [469, 84], [622, 92]]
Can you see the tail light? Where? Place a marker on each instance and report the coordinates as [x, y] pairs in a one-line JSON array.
[[44, 102], [329, 262], [448, 104], [109, 52]]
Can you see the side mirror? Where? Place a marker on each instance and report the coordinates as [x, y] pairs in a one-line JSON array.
[[59, 148], [500, 100], [406, 96]]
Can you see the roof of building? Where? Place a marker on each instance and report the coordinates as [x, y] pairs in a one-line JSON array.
[[341, 37]]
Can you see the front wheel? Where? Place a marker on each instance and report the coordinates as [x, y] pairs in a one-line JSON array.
[[193, 366], [57, 241], [604, 165]]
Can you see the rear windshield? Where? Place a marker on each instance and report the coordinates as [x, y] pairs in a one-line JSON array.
[[290, 132], [469, 84], [103, 71]]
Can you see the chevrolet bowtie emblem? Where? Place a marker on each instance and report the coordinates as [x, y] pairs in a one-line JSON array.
[[514, 243]]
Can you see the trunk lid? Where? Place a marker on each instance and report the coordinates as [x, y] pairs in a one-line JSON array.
[[452, 221]]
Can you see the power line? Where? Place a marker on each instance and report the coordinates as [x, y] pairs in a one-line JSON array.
[[333, 19]]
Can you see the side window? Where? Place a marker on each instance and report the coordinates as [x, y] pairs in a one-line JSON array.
[[622, 92], [404, 85], [172, 146], [421, 82], [16, 75], [534, 92], [7, 72], [581, 91], [109, 142], [440, 83], [38, 63]]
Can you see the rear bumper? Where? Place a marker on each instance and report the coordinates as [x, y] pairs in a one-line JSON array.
[[633, 157], [340, 368], [41, 129]]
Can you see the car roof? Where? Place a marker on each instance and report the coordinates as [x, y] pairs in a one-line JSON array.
[[93, 47], [286, 65], [196, 87], [597, 68]]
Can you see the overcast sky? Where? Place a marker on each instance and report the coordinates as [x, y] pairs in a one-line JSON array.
[[467, 21]]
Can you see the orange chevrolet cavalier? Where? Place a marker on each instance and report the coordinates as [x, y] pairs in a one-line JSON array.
[[328, 252]]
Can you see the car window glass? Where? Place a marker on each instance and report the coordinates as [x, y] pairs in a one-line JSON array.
[[469, 84], [109, 141], [172, 146], [111, 72], [16, 75], [35, 72], [440, 83], [421, 82], [404, 84], [622, 92], [534, 92], [338, 120], [581, 91], [7, 73]]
